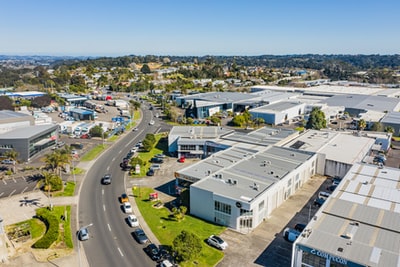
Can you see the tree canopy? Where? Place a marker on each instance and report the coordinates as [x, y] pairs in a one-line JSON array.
[[187, 246], [316, 120]]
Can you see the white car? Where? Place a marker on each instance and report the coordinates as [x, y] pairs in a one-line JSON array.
[[217, 242], [151, 122], [8, 161], [127, 207], [133, 221]]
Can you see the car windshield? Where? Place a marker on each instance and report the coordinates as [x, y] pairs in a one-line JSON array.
[[218, 239]]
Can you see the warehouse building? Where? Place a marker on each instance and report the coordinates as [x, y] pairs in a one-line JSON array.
[[358, 225]]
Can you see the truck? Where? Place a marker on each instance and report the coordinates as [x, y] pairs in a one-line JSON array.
[[78, 129], [86, 128], [121, 104], [125, 113], [71, 128]]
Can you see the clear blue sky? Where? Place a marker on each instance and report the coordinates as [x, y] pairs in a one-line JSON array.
[[199, 27]]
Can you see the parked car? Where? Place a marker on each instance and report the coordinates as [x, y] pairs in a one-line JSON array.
[[135, 129], [155, 167], [166, 263], [217, 242], [140, 236], [318, 202], [153, 252], [106, 179], [181, 159], [127, 207], [331, 187], [299, 227], [157, 160], [290, 234], [159, 155], [83, 234], [8, 161], [132, 220], [124, 198], [323, 195], [150, 172]]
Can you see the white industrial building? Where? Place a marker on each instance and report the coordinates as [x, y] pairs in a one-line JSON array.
[[278, 113], [337, 151], [240, 187], [358, 225]]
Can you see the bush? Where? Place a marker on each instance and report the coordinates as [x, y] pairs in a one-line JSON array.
[[51, 234]]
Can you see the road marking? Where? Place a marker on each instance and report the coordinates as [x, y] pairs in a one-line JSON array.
[[104, 207], [15, 181], [108, 168], [120, 252], [1, 194], [120, 151], [113, 159], [102, 191], [11, 193], [24, 190], [4, 181], [109, 227]]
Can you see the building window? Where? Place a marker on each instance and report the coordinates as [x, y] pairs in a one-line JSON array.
[[222, 218], [244, 212], [246, 223], [261, 205], [188, 147], [222, 207]]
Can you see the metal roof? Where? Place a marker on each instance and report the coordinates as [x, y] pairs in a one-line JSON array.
[[27, 132], [242, 174], [8, 114], [360, 220]]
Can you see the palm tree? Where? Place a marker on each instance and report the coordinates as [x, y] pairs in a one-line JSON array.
[[389, 129], [58, 159], [362, 124]]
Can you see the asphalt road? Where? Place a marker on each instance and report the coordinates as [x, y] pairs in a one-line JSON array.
[[111, 242]]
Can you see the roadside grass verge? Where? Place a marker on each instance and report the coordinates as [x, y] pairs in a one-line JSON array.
[[93, 153], [68, 191], [166, 228]]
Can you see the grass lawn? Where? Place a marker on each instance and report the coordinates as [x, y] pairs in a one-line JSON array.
[[66, 235], [68, 191], [166, 228], [159, 148], [92, 154]]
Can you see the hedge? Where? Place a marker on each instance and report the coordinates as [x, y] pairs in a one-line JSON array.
[[52, 226]]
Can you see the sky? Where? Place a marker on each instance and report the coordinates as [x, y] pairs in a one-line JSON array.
[[198, 27]]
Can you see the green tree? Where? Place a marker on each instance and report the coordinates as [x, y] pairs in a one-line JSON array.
[[377, 127], [179, 213], [96, 131], [187, 246], [389, 129], [362, 124], [316, 120], [13, 155], [238, 120], [145, 69]]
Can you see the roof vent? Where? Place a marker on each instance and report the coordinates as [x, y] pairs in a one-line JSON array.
[[346, 236], [234, 182], [230, 181], [340, 249], [365, 182]]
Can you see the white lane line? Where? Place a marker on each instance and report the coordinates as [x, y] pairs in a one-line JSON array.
[[102, 191], [1, 194], [24, 190], [120, 151], [4, 181], [15, 181], [108, 168], [11, 193], [104, 207], [120, 252], [109, 227], [113, 159]]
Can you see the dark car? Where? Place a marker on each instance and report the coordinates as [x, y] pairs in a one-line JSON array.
[[153, 252], [318, 202], [157, 160], [331, 187], [106, 179], [140, 236], [299, 227], [150, 172]]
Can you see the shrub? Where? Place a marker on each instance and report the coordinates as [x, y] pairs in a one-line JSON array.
[[52, 226]]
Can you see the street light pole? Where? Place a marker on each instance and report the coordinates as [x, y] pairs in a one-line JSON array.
[[73, 170]]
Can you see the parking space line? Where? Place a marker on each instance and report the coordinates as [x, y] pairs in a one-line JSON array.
[[4, 181], [12, 193], [120, 252], [2, 193], [113, 159], [15, 181], [24, 190]]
